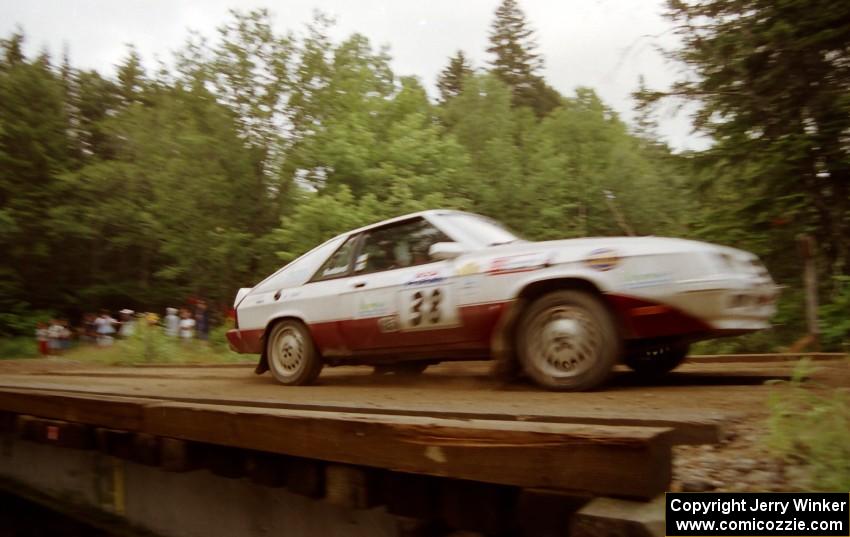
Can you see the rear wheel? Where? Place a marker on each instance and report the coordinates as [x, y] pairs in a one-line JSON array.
[[656, 360], [567, 340], [292, 356]]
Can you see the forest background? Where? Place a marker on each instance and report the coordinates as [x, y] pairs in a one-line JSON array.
[[150, 187]]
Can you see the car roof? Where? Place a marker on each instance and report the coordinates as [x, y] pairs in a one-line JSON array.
[[429, 212]]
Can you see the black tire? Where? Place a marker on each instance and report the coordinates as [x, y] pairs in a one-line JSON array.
[[291, 354], [407, 369], [568, 341], [656, 360]]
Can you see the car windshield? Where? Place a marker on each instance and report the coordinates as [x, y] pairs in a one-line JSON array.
[[480, 230]]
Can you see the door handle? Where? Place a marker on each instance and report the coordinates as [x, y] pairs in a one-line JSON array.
[[358, 284]]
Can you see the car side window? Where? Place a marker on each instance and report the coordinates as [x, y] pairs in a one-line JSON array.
[[337, 264], [405, 244]]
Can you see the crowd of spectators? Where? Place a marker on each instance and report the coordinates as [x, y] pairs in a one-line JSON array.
[[102, 330]]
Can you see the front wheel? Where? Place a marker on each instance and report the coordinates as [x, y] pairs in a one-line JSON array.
[[292, 356], [656, 360], [567, 340]]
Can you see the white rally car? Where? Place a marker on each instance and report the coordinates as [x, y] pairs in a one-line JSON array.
[[447, 285]]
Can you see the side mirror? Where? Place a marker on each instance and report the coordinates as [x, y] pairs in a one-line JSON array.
[[440, 251]]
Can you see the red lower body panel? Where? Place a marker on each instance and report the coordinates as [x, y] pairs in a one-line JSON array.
[[645, 319], [640, 319], [340, 338]]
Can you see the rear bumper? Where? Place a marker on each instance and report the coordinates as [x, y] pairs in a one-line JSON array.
[[245, 341]]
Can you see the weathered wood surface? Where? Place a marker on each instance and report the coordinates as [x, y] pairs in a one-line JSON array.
[[608, 516], [767, 357], [104, 411], [686, 427], [629, 461], [622, 460]]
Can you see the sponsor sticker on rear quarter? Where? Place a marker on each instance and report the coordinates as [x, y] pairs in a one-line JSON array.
[[517, 263], [602, 259]]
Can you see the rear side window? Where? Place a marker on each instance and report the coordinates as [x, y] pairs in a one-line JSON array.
[[337, 264], [301, 270]]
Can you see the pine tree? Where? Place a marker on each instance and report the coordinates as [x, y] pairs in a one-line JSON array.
[[517, 62], [450, 81], [131, 77], [771, 86]]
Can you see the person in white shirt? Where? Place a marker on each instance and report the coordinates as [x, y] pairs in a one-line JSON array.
[[128, 324], [172, 322], [187, 325], [54, 336], [105, 327]]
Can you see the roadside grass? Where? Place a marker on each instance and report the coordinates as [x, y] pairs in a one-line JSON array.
[[810, 424], [148, 345], [18, 347]]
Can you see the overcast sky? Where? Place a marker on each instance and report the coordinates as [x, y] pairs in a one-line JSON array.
[[603, 44]]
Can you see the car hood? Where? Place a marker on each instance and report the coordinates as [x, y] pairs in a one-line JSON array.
[[567, 250]]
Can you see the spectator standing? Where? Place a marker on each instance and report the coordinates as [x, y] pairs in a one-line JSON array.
[[41, 336], [54, 337], [105, 328], [89, 331], [128, 324], [202, 320], [172, 322], [65, 335], [187, 325]]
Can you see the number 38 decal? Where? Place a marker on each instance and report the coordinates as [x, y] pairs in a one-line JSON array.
[[425, 308]]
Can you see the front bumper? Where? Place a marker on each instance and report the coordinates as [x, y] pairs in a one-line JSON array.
[[698, 307]]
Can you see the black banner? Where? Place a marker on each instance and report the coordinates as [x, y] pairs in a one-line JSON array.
[[696, 514]]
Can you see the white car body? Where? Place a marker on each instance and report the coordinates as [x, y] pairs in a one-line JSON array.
[[460, 305]]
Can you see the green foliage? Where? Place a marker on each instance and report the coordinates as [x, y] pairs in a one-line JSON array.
[[450, 80], [516, 61], [18, 347], [143, 189], [771, 83], [835, 316], [813, 426]]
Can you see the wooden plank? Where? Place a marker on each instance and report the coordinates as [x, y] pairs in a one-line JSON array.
[[622, 460], [7, 422], [546, 512], [608, 516], [223, 461], [305, 477], [56, 432], [766, 357], [687, 427], [114, 442], [103, 411], [145, 449], [351, 486], [472, 506], [627, 461], [177, 455], [266, 469], [411, 495]]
